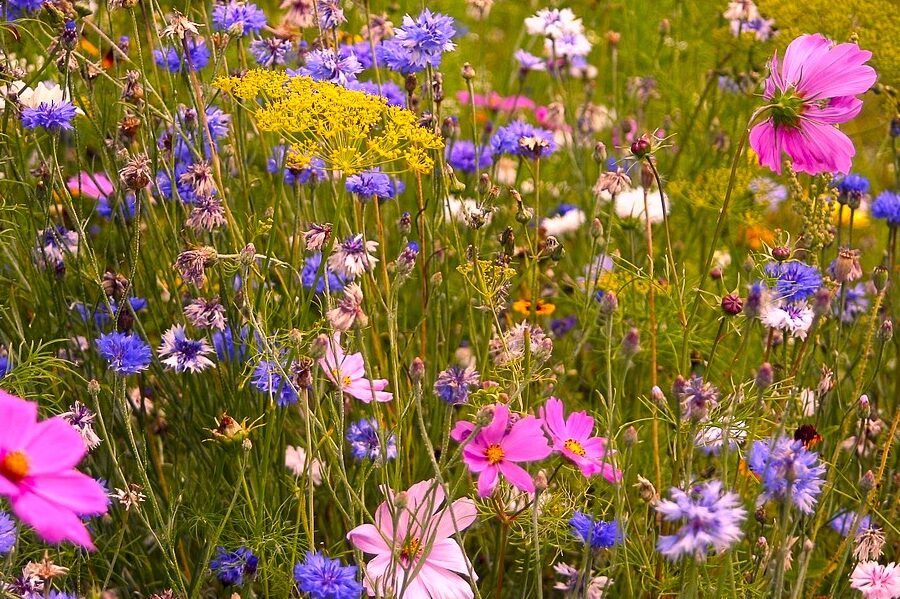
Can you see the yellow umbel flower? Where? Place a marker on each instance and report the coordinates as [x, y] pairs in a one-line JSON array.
[[351, 131]]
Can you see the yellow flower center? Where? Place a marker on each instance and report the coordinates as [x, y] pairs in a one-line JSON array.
[[345, 380], [575, 447], [14, 466], [411, 549], [494, 453]]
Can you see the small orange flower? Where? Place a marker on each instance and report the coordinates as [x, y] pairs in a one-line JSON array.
[[523, 306], [755, 236]]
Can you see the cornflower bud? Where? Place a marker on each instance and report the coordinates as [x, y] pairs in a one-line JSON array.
[[596, 228], [540, 481], [846, 266], [886, 332], [417, 369], [600, 152], [631, 343], [765, 376], [93, 388], [405, 224], [657, 395], [630, 436], [867, 481], [732, 304], [781, 253], [318, 347], [880, 278], [484, 183], [468, 72], [609, 303]]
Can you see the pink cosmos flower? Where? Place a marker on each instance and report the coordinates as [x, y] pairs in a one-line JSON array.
[[572, 438], [814, 89], [349, 373], [414, 554], [495, 449], [875, 581], [37, 461], [94, 186]]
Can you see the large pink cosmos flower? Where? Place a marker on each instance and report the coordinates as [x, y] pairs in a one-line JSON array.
[[349, 373], [94, 186], [416, 556], [37, 461], [495, 449], [572, 437], [813, 90]]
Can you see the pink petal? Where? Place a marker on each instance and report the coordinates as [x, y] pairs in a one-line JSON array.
[[497, 428], [765, 141], [552, 415], [449, 555], [839, 72], [839, 110], [580, 425], [53, 446], [464, 514], [462, 430], [367, 539], [798, 55], [374, 571], [53, 523], [441, 584], [72, 490], [815, 148], [526, 442], [18, 417], [517, 476], [487, 481]]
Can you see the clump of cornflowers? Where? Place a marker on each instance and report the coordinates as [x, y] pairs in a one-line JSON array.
[[813, 89], [365, 438], [572, 438], [126, 353], [596, 534], [788, 471], [498, 447], [268, 378], [412, 544], [419, 43], [510, 346], [234, 568], [461, 156], [38, 476], [454, 384], [271, 52], [789, 317], [47, 106], [374, 184], [174, 60], [563, 33], [712, 520], [321, 577], [180, 353], [876, 581], [327, 279], [339, 68], [348, 373], [238, 18]]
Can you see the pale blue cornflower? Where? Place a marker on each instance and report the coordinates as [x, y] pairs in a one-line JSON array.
[[788, 470], [712, 520], [180, 353]]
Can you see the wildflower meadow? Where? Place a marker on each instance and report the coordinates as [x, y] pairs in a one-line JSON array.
[[449, 299]]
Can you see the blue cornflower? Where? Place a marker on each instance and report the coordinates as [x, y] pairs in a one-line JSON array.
[[843, 522], [126, 353], [887, 206], [106, 207], [331, 15], [851, 186], [856, 303], [270, 52], [596, 533], [17, 8], [171, 59], [698, 398], [391, 54], [363, 51], [310, 276], [54, 116], [7, 533], [560, 326], [238, 18], [180, 353], [453, 384], [507, 140], [373, 183], [781, 462], [103, 315], [232, 567], [425, 38], [6, 365], [794, 279], [53, 245], [228, 348], [325, 578], [268, 379], [461, 156], [219, 121], [712, 521], [314, 171], [322, 65], [389, 90], [366, 444]]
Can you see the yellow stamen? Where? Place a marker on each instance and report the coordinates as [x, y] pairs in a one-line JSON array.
[[494, 453], [14, 466]]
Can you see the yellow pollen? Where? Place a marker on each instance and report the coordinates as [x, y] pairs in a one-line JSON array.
[[575, 447], [411, 549], [345, 380], [14, 466], [494, 453]]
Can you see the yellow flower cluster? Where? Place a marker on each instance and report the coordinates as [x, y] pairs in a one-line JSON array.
[[351, 131]]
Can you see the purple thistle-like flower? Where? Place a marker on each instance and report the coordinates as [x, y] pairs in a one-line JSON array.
[[331, 15], [53, 117], [425, 38], [794, 280], [365, 441], [270, 52], [597, 534], [454, 383], [697, 397], [787, 469], [206, 314], [353, 256], [8, 534], [126, 354], [53, 245], [322, 578], [239, 18], [508, 139], [181, 353], [323, 65], [712, 520]]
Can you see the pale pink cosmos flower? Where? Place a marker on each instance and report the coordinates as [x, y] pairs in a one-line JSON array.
[[37, 473], [875, 581], [348, 371], [572, 437], [414, 554], [94, 186], [496, 448], [811, 91]]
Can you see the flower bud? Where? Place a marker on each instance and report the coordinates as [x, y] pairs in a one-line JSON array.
[[631, 343], [401, 500], [715, 273], [485, 416], [630, 436], [596, 228], [867, 481], [405, 224], [417, 369], [822, 301], [641, 147], [880, 278], [846, 266], [647, 491], [540, 482], [411, 83], [600, 152], [886, 332], [93, 388], [609, 303], [484, 183], [765, 376], [732, 304], [318, 347], [247, 444], [657, 395], [468, 72], [781, 253]]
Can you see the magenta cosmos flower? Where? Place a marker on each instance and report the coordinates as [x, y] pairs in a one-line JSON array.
[[414, 554], [349, 373], [572, 437], [814, 89], [496, 448], [37, 473]]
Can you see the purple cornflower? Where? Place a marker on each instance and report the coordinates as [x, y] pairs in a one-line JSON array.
[[331, 15], [851, 187], [697, 397], [389, 90], [312, 278], [181, 353], [322, 65], [370, 184], [206, 313], [454, 383], [322, 578], [238, 18], [843, 521], [787, 470], [267, 378], [353, 256], [17, 8], [365, 443], [461, 156], [229, 348], [314, 171], [560, 326], [126, 354], [425, 39], [233, 567], [794, 279], [508, 139], [81, 418], [597, 534], [712, 520], [270, 52], [529, 62], [171, 59], [887, 206], [8, 534], [53, 116]]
